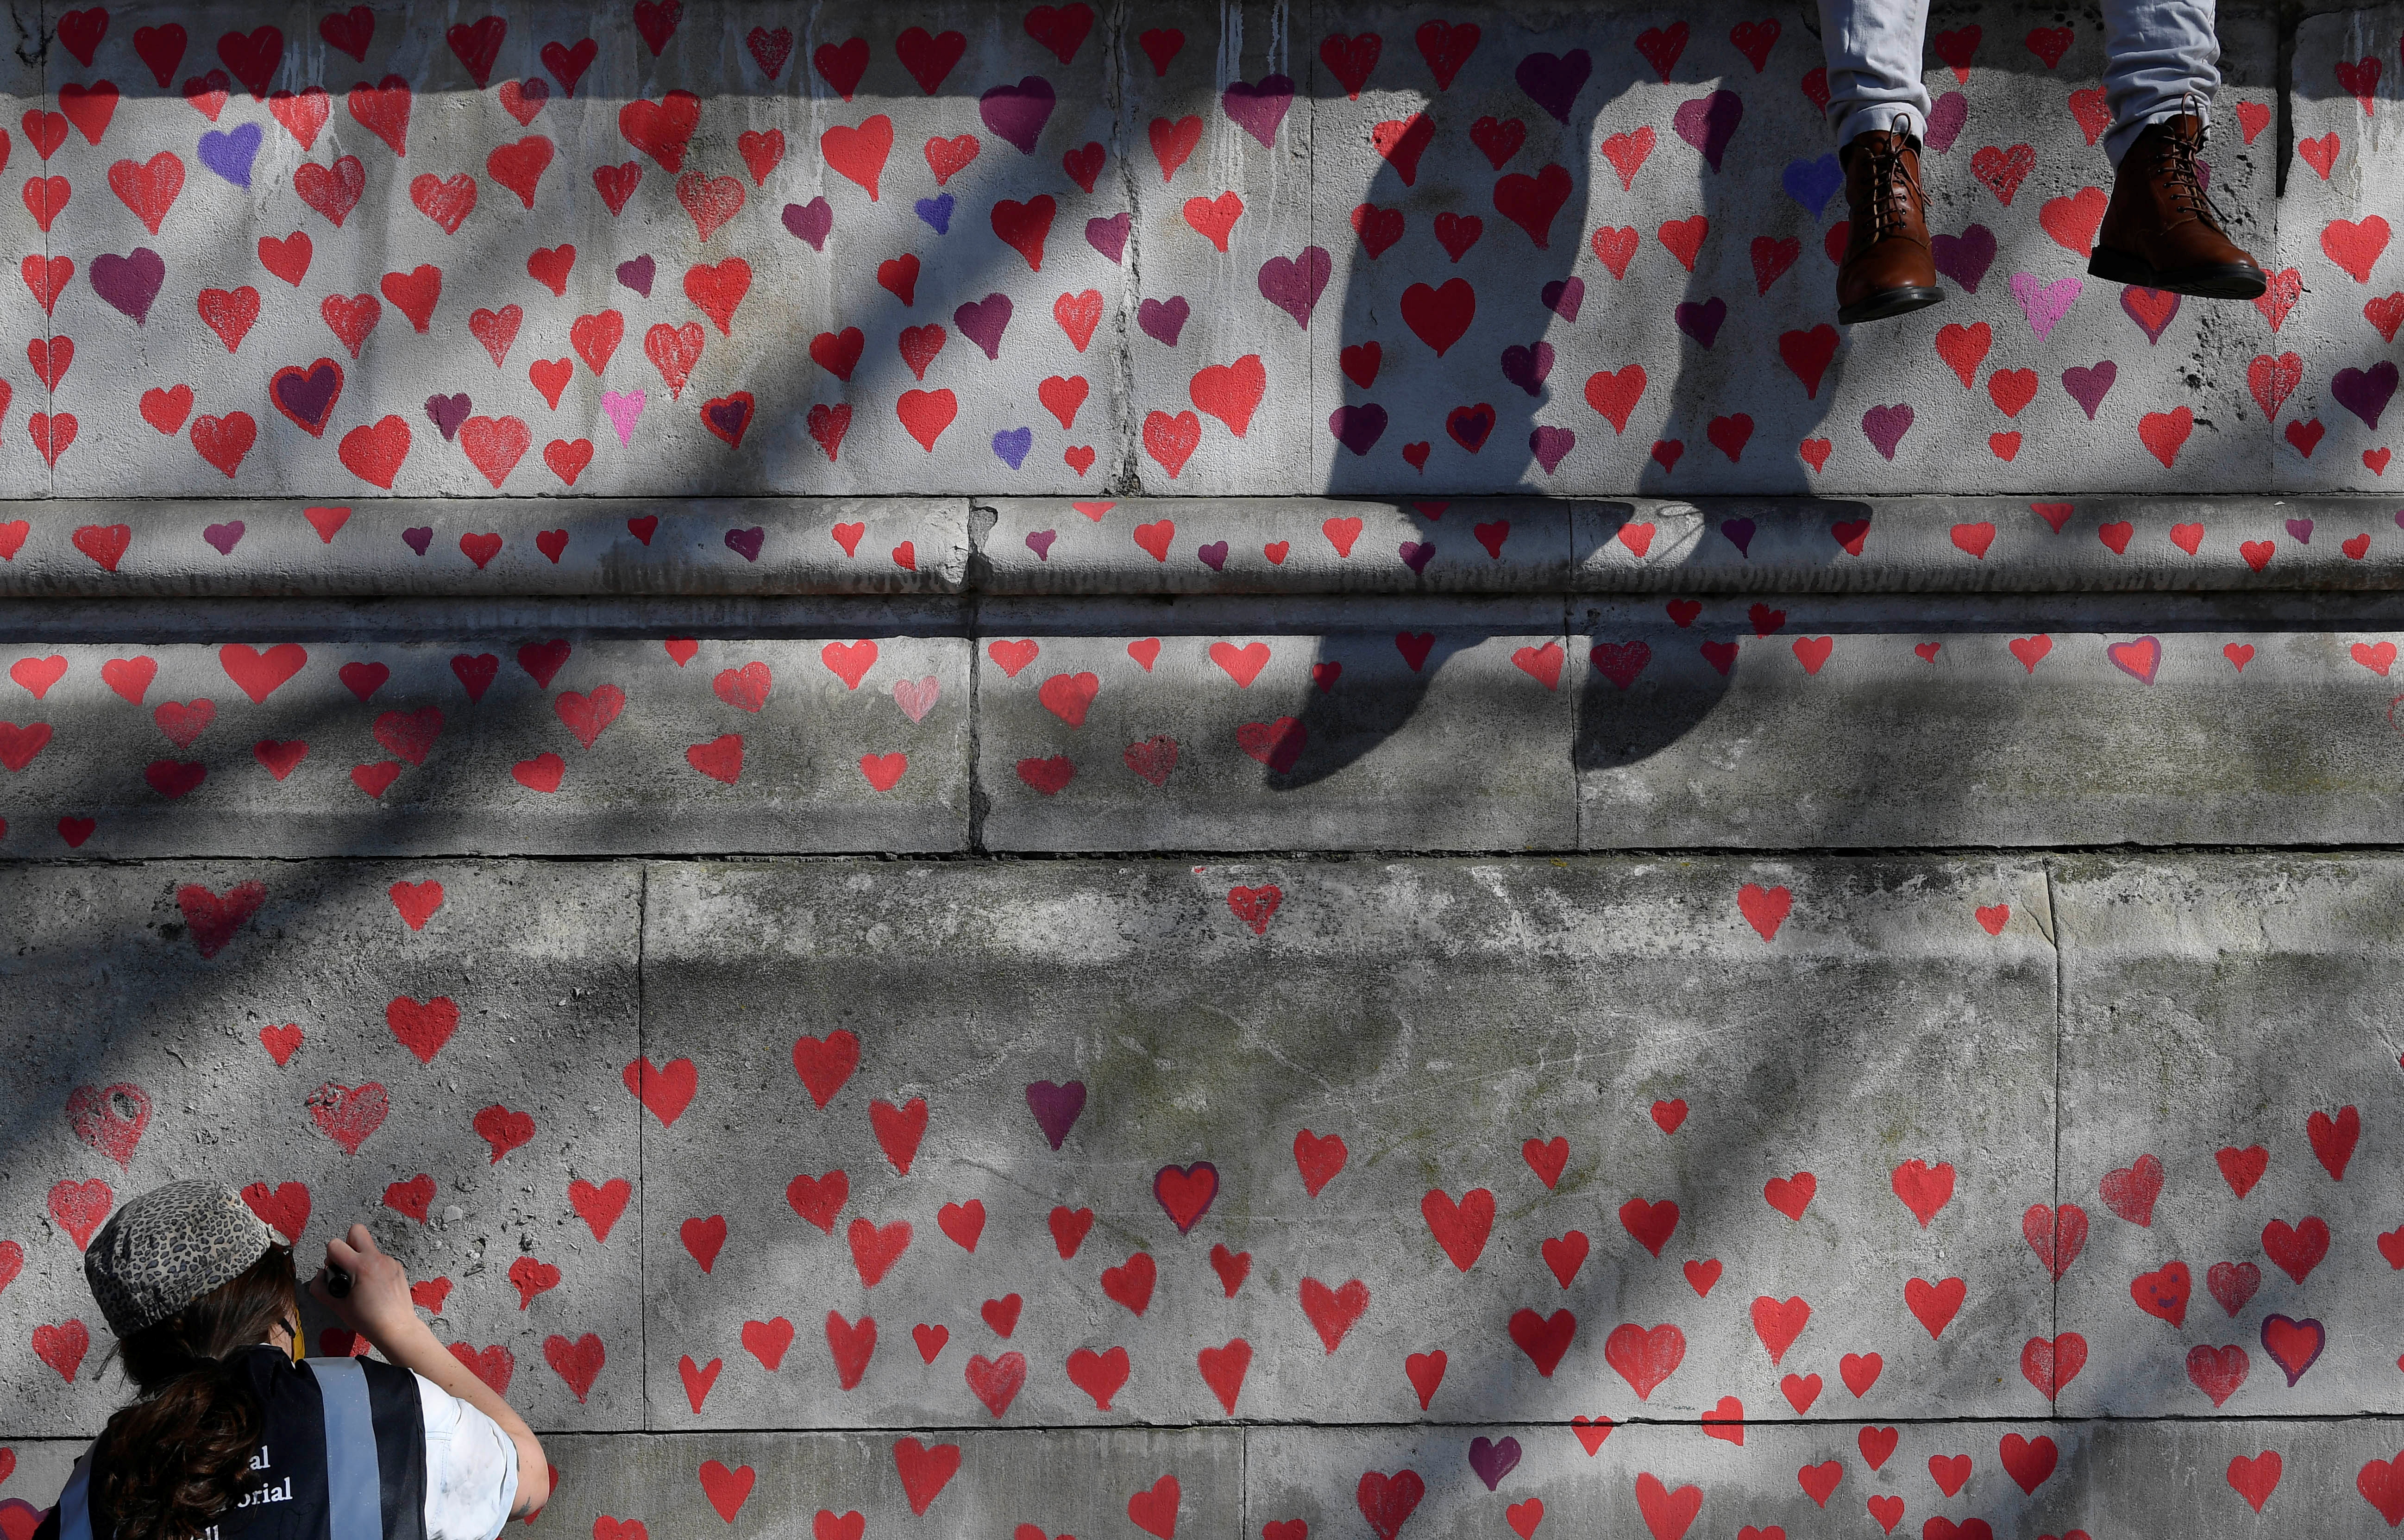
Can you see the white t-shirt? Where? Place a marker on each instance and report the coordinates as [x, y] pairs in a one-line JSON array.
[[471, 1468]]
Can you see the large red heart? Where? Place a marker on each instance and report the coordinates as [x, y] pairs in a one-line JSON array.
[[1387, 1502], [924, 1471], [1440, 316], [1644, 1357], [1186, 1193], [663, 129], [348, 1114], [111, 1118], [857, 153], [1543, 1339], [1333, 1312]]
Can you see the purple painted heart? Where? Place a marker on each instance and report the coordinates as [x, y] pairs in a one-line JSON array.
[[727, 416], [307, 395], [1056, 1107]]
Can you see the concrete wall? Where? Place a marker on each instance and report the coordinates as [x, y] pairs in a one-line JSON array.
[[1223, 1157], [1185, 966], [725, 291]]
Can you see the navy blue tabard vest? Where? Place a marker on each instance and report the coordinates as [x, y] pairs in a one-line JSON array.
[[343, 1458]]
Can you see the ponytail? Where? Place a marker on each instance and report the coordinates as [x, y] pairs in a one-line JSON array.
[[170, 1463]]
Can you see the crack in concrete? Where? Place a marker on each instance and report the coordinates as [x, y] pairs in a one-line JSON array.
[[1124, 479]]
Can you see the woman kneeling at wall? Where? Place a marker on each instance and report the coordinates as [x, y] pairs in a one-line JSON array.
[[235, 1436]]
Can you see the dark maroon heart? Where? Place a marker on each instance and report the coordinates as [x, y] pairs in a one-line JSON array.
[[1109, 236], [1527, 368], [1358, 429], [809, 222], [731, 416], [982, 321], [1018, 113], [308, 396], [1056, 1107], [1964, 258], [448, 412], [130, 282]]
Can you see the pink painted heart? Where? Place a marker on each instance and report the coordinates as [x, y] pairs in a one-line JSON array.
[[626, 408], [1293, 284], [2045, 304]]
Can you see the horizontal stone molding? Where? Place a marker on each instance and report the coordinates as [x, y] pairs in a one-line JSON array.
[[1211, 724], [470, 547], [522, 744], [1273, 547]]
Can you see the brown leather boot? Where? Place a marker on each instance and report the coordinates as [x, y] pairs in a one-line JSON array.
[[2161, 231], [1887, 270]]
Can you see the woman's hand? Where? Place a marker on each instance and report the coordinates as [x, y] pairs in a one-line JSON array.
[[378, 1306]]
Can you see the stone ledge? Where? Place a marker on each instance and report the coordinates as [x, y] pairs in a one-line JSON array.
[[1914, 545], [483, 547], [1206, 725], [2109, 1478], [1034, 548]]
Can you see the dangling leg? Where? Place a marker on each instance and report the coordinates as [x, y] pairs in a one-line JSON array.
[[1878, 108], [2163, 63]]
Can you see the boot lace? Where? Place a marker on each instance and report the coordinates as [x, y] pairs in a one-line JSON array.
[[1895, 185], [2175, 172]]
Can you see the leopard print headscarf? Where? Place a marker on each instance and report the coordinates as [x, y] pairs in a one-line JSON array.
[[168, 1247]]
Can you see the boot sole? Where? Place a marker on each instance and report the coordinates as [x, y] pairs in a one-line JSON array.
[[1889, 303], [2226, 281]]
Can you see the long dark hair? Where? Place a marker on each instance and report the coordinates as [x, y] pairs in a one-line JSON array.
[[171, 1462]]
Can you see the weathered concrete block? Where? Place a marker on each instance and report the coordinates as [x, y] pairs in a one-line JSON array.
[[1533, 329], [1975, 731], [24, 470], [2077, 544], [1282, 545], [939, 1482], [2015, 1478], [568, 747], [434, 1049], [776, 288], [2323, 379], [39, 626], [2336, 1478], [1235, 297], [2239, 1477], [1430, 737], [392, 547], [2224, 1041], [40, 1471], [1690, 1052], [569, 250]]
